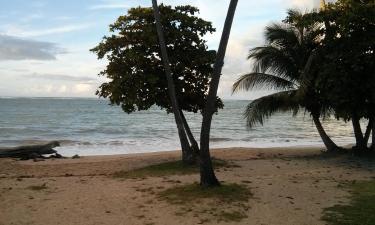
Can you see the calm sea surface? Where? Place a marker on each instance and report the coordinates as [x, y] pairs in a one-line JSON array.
[[92, 127]]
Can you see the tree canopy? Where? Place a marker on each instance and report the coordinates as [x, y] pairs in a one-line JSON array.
[[346, 77], [135, 70], [281, 65], [325, 62]]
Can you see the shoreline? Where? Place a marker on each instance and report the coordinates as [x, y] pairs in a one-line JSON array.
[[215, 149], [212, 149]]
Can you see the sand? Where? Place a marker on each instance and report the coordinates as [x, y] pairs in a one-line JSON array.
[[290, 187]]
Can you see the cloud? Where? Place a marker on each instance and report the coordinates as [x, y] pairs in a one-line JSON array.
[[83, 88], [109, 6], [56, 30], [58, 90], [60, 77], [14, 48]]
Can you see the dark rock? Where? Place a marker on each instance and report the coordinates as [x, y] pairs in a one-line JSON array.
[[38, 160], [76, 157], [29, 151]]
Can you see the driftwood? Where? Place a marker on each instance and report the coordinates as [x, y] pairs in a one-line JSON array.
[[30, 151]]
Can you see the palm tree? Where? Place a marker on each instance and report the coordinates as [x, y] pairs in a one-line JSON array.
[[286, 64], [208, 178], [187, 153]]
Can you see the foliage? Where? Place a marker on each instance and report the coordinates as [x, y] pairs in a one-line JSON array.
[[346, 77], [360, 210], [135, 70], [281, 65]]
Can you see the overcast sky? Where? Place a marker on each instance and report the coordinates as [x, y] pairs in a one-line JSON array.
[[44, 44]]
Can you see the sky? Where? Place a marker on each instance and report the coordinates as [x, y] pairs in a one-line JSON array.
[[44, 44]]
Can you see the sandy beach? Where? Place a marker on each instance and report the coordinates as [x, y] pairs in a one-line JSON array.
[[290, 187]]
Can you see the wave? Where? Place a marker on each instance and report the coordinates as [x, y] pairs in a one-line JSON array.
[[214, 139]]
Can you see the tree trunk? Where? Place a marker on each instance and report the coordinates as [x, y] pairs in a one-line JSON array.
[[208, 178], [360, 141], [29, 151], [193, 143], [368, 131], [187, 154], [373, 134], [330, 145]]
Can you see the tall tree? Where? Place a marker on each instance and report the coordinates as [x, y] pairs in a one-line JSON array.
[[288, 64], [136, 73], [346, 79], [187, 154], [208, 178]]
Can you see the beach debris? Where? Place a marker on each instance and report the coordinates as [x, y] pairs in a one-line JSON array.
[[76, 157], [38, 160], [27, 152], [56, 156]]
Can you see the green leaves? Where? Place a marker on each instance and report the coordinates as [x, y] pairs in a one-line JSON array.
[[327, 57], [262, 80], [283, 64], [346, 77], [262, 108], [135, 70]]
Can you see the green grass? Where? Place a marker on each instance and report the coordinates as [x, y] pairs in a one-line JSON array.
[[38, 187], [168, 168], [226, 203], [360, 210], [228, 193], [234, 216]]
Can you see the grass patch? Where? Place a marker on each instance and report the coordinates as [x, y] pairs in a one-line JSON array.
[[233, 197], [37, 187], [234, 216], [169, 168], [192, 193], [360, 210]]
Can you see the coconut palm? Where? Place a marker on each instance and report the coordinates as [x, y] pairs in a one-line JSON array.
[[287, 64]]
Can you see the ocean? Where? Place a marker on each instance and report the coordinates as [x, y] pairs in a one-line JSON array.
[[93, 127]]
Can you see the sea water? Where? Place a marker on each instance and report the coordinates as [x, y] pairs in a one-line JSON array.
[[93, 127]]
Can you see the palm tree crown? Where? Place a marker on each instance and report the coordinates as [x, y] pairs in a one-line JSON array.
[[279, 65], [287, 64]]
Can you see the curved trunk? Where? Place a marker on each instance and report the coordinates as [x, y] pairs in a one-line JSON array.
[[193, 143], [208, 178], [187, 154], [360, 141], [330, 145], [373, 134], [368, 131]]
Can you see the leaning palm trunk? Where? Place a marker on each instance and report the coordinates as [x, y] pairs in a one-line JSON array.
[[193, 143], [328, 143], [373, 134], [208, 178], [368, 131], [360, 141], [187, 154]]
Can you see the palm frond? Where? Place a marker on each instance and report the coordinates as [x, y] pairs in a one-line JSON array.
[[283, 35], [262, 80], [306, 75], [262, 108], [294, 14], [273, 60]]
